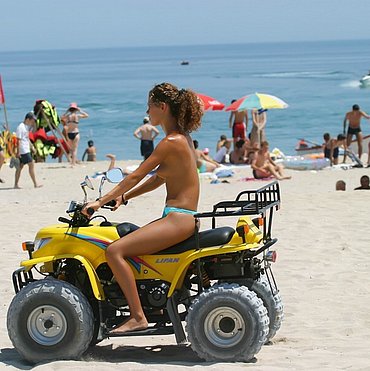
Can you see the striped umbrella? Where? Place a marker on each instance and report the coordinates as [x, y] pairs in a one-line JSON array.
[[257, 101]]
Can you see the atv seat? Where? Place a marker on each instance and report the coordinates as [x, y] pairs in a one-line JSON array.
[[211, 237]]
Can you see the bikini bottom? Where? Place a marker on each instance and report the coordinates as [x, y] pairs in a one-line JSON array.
[[72, 136], [170, 209]]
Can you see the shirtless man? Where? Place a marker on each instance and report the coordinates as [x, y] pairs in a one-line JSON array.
[[354, 119], [146, 133], [238, 121], [263, 166]]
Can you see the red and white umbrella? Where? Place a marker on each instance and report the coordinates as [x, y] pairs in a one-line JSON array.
[[209, 103]]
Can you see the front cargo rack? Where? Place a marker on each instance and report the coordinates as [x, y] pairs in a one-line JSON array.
[[260, 202]]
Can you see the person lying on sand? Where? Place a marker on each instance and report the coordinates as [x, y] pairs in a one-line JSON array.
[[263, 166]]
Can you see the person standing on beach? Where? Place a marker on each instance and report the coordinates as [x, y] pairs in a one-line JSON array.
[[259, 119], [179, 113], [72, 118], [146, 133], [238, 121], [354, 120], [24, 149]]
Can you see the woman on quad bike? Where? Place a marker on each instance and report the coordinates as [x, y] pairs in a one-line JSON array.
[[178, 112]]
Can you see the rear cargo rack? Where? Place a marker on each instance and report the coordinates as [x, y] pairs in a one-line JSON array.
[[260, 202]]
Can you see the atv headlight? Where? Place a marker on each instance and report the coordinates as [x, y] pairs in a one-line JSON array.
[[41, 242]]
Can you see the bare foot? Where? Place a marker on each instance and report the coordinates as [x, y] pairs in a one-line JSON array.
[[130, 325], [112, 157], [38, 185], [17, 187]]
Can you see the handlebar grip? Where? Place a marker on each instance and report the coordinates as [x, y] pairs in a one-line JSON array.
[[64, 220], [111, 203], [90, 211]]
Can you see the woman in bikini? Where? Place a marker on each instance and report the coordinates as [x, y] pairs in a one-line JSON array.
[[71, 119], [178, 112]]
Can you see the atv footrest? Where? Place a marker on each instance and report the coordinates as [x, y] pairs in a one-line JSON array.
[[150, 331]]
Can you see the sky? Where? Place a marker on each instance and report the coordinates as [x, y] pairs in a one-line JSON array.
[[74, 24]]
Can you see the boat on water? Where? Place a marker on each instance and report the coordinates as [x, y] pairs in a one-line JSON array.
[[365, 81], [307, 148], [184, 63]]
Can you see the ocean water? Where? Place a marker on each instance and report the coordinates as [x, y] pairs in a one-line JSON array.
[[319, 81]]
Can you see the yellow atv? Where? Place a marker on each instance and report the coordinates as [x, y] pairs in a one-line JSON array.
[[219, 281]]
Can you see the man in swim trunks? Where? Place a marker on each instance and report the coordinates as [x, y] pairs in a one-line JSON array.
[[354, 120], [238, 121], [24, 149], [146, 133], [264, 167]]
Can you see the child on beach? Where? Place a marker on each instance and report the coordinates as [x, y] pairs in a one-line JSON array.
[[264, 167], [90, 152], [331, 147], [179, 113]]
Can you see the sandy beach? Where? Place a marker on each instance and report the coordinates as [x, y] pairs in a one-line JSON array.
[[322, 268]]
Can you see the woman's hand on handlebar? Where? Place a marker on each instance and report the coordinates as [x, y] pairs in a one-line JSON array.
[[90, 208], [120, 200]]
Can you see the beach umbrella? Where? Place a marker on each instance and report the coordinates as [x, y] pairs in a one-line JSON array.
[[209, 103], [257, 101]]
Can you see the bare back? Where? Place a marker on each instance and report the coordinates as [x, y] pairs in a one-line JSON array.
[[354, 118], [147, 132], [240, 116]]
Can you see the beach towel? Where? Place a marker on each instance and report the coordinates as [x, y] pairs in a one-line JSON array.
[[248, 179]]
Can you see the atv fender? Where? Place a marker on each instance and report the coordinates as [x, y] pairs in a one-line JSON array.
[[93, 277]]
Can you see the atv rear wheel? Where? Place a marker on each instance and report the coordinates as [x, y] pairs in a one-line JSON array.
[[50, 319], [227, 323], [272, 302]]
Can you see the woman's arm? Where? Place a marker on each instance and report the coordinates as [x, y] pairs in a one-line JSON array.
[[83, 114], [131, 180], [151, 184], [231, 120]]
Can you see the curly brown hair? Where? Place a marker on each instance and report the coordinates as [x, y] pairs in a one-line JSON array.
[[184, 105]]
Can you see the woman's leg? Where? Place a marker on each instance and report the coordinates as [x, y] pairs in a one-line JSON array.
[[156, 236]]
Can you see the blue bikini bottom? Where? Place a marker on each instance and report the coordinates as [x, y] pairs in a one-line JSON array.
[[170, 209]]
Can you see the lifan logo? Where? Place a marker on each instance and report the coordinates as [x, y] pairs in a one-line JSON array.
[[167, 260]]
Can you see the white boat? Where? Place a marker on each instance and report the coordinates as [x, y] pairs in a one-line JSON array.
[[365, 81], [365, 145]]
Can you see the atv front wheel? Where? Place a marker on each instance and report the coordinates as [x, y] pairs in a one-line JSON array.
[[50, 319], [227, 323]]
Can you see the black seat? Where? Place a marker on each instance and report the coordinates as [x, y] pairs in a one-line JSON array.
[[211, 237]]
